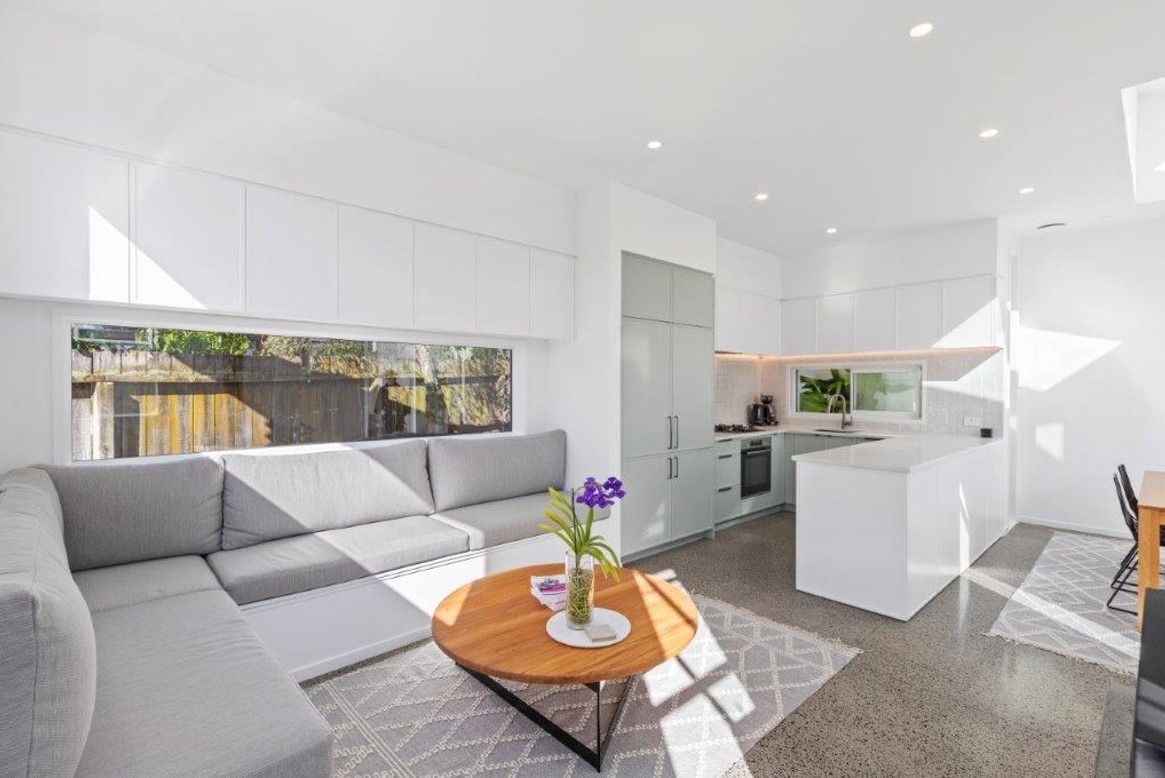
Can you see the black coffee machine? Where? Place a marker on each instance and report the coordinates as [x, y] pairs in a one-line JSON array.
[[762, 414]]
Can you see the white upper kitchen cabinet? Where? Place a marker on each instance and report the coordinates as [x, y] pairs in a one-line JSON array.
[[64, 224], [188, 239], [799, 326], [919, 315], [969, 312], [503, 287], [835, 324], [761, 324], [446, 279], [693, 298], [376, 268], [292, 255], [551, 295], [875, 320], [729, 319]]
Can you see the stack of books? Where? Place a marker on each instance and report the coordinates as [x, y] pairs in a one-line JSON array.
[[550, 590]]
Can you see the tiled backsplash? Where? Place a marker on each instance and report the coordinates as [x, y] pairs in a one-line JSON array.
[[958, 384]]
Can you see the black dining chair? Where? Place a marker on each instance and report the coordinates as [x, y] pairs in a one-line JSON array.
[[1127, 500]]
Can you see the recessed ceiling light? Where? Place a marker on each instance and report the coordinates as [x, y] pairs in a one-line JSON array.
[[921, 30], [989, 132], [760, 196], [831, 231], [654, 144], [1027, 190]]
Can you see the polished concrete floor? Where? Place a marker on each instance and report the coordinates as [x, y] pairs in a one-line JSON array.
[[932, 696]]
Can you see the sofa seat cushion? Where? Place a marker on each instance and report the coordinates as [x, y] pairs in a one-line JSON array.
[[468, 471], [279, 494], [186, 687], [306, 562], [48, 664], [493, 523], [127, 511], [138, 582]]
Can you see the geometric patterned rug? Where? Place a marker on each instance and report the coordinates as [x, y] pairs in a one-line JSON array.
[[1060, 607], [414, 713]]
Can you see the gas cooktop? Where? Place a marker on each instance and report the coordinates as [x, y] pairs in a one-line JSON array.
[[735, 428]]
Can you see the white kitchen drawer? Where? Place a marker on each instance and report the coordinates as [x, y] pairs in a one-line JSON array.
[[726, 503], [728, 465]]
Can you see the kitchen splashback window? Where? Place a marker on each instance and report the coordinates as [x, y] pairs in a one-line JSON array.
[[140, 391], [892, 392]]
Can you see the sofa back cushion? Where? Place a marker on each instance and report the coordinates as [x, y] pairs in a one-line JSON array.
[[467, 471], [48, 657], [272, 495], [129, 511]]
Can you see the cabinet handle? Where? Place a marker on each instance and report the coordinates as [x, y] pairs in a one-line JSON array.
[[668, 422], [677, 418], [677, 467], [724, 456], [725, 488], [669, 468]]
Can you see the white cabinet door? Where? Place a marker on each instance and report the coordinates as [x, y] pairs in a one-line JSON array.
[[693, 386], [919, 315], [551, 295], [292, 255], [729, 319], [780, 463], [189, 239], [445, 268], [63, 221], [503, 287], [646, 387], [770, 327], [376, 268], [969, 312], [875, 321], [644, 518], [646, 288], [799, 326], [693, 296], [761, 324], [691, 493], [835, 324], [726, 503]]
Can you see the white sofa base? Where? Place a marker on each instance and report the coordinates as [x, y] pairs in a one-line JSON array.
[[318, 631]]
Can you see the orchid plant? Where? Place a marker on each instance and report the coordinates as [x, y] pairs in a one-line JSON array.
[[576, 533]]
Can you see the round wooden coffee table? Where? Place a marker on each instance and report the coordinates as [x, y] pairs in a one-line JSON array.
[[494, 628]]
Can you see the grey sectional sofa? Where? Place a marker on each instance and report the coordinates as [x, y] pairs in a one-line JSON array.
[[123, 649]]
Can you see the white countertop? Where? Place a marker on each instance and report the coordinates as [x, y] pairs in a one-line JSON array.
[[808, 429], [901, 453]]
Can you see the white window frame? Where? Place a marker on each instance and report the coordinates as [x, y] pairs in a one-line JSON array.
[[894, 417]]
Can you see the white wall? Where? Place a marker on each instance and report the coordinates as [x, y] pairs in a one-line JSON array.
[[1089, 366], [101, 90], [955, 251], [743, 267], [646, 225]]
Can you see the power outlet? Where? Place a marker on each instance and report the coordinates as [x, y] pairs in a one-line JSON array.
[[972, 421]]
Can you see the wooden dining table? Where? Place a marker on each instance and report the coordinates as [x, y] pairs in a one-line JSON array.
[[1150, 517]]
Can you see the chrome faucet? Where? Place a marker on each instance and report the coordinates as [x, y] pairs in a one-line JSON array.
[[846, 419]]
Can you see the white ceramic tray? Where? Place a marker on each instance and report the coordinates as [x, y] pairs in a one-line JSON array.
[[556, 628]]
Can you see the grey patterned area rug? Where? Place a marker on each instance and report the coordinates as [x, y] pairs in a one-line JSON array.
[[413, 712], [1060, 606]]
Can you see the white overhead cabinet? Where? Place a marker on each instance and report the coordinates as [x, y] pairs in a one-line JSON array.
[[919, 316], [747, 322], [875, 320], [729, 319], [64, 221], [503, 287], [188, 239], [799, 326], [835, 324], [445, 263], [970, 313], [292, 262], [551, 295], [376, 268]]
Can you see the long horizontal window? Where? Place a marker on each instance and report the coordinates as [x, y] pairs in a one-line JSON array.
[[894, 391], [144, 392]]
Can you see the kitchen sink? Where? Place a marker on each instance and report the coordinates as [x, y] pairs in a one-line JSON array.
[[836, 430]]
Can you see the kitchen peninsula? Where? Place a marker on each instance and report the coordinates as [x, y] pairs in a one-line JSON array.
[[885, 525]]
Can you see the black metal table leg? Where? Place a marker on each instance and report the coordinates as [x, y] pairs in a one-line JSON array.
[[594, 757]]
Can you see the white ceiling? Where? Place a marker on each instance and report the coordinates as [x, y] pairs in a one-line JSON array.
[[827, 106]]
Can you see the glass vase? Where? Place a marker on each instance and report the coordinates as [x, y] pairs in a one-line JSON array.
[[580, 590]]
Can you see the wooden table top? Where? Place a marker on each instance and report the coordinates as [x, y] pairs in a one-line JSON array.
[[1152, 494], [496, 627]]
